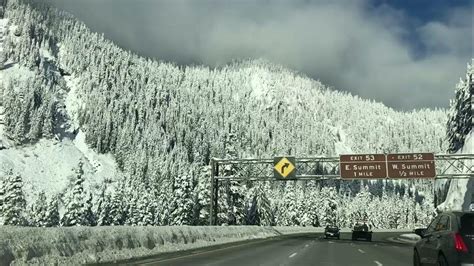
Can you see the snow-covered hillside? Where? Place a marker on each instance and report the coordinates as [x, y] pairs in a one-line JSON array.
[[46, 165], [70, 94]]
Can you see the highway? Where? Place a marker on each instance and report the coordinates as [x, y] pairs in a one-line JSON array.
[[294, 250]]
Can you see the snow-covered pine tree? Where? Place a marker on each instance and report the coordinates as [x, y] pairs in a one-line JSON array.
[[132, 212], [14, 202], [288, 210], [203, 195], [117, 206], [89, 216], [359, 205], [234, 190], [104, 206], [183, 201], [52, 212], [146, 209], [79, 203], [459, 127], [265, 213], [311, 200], [39, 211], [461, 115], [328, 206]]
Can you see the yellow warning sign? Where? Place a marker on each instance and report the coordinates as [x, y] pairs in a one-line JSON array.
[[284, 167]]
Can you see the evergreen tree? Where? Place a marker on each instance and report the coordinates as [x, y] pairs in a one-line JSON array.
[[52, 213], [203, 196], [264, 211], [14, 202], [89, 217], [79, 204], [39, 211], [104, 206], [461, 116], [146, 209], [183, 201], [133, 214], [117, 214]]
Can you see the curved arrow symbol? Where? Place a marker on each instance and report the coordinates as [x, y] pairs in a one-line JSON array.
[[286, 165]]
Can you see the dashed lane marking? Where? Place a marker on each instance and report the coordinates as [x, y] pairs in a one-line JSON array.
[[361, 251], [378, 263], [292, 255]]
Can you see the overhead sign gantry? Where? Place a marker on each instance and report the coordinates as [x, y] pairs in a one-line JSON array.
[[345, 167]]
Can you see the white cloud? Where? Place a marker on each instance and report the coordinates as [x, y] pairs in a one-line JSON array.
[[342, 44]]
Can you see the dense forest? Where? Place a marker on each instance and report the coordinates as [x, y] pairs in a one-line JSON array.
[[163, 123]]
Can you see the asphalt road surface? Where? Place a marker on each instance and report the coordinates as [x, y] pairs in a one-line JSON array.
[[299, 250]]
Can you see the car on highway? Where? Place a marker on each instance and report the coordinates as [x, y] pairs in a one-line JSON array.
[[448, 240], [332, 231], [361, 231]]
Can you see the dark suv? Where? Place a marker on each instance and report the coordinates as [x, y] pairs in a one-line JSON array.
[[331, 231], [448, 240], [361, 231]]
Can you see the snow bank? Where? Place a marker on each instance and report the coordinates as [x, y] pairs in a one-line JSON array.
[[286, 230], [79, 245], [413, 237], [406, 239]]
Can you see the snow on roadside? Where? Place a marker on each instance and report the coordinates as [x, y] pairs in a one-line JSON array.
[[297, 229], [61, 245], [80, 245], [413, 237]]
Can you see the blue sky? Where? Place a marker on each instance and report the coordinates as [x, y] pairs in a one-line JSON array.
[[424, 10], [405, 53], [419, 12]]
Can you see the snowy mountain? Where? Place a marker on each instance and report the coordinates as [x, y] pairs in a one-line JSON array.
[[143, 133]]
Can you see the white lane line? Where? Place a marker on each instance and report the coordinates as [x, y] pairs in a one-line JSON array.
[[330, 242], [306, 245], [292, 255], [361, 251], [378, 263]]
